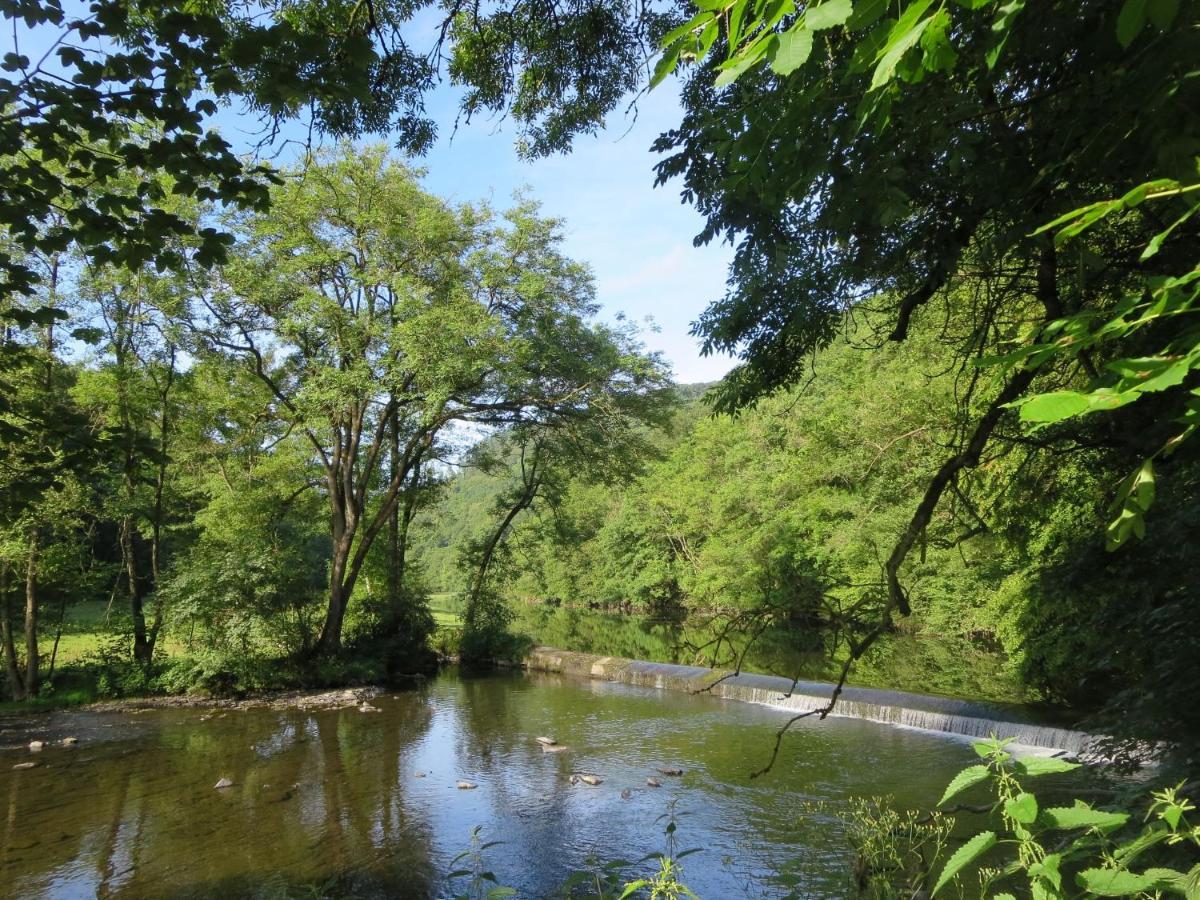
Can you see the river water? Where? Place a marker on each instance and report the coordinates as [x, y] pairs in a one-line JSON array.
[[361, 804]]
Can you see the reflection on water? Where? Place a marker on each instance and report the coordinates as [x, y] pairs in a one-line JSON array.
[[949, 666], [365, 804]]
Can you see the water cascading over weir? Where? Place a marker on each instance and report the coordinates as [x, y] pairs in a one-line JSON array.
[[941, 714]]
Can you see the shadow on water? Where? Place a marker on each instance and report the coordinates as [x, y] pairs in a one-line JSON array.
[[366, 805]]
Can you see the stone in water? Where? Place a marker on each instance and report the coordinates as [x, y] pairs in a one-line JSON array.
[[223, 783], [466, 786]]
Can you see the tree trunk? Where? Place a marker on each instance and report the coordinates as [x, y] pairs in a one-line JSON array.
[[330, 640], [31, 617], [160, 483], [395, 569], [16, 684], [143, 649], [532, 482]]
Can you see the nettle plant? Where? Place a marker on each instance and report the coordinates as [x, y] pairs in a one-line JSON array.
[[1060, 852]]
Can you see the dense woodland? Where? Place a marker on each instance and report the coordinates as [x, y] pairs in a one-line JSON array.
[[234, 396]]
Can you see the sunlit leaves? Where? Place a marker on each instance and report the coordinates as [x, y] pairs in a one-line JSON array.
[[791, 50], [1022, 808], [963, 857], [905, 34], [968, 777], [827, 14]]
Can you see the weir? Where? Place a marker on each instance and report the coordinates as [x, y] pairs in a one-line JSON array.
[[941, 714]]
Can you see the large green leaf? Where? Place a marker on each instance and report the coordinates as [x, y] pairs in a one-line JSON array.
[[969, 776], [791, 50], [902, 38], [1130, 21], [1054, 406], [829, 14], [1081, 817], [1022, 808], [1113, 882], [964, 856]]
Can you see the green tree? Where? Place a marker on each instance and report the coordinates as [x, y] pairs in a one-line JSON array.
[[375, 314]]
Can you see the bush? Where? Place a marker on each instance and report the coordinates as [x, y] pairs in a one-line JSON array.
[[1052, 852]]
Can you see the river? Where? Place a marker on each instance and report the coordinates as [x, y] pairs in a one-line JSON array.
[[365, 804]]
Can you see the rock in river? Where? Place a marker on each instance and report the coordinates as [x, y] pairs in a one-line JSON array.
[[466, 785], [223, 783]]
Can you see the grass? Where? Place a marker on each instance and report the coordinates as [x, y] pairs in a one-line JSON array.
[[85, 627], [446, 608], [89, 627]]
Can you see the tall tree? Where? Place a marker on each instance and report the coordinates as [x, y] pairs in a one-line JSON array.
[[373, 313]]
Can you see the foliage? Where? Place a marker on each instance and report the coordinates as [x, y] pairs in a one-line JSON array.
[[1163, 307], [1047, 850], [765, 530], [867, 156], [481, 884], [894, 850]]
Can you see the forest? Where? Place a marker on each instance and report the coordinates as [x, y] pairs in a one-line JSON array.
[[278, 416]]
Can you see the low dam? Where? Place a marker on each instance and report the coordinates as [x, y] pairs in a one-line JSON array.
[[929, 713]]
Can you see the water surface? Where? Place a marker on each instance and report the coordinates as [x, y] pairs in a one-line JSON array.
[[365, 804]]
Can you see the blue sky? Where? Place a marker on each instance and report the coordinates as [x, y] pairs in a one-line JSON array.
[[637, 238]]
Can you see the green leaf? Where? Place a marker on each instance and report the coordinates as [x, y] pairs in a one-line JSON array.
[[1130, 21], [666, 65], [792, 50], [1152, 373], [829, 14], [1068, 817], [1043, 765], [968, 777], [1022, 808], [866, 12], [1054, 406], [498, 892], [1162, 13], [1113, 882], [964, 856], [903, 37], [1048, 870], [1002, 28], [732, 69]]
